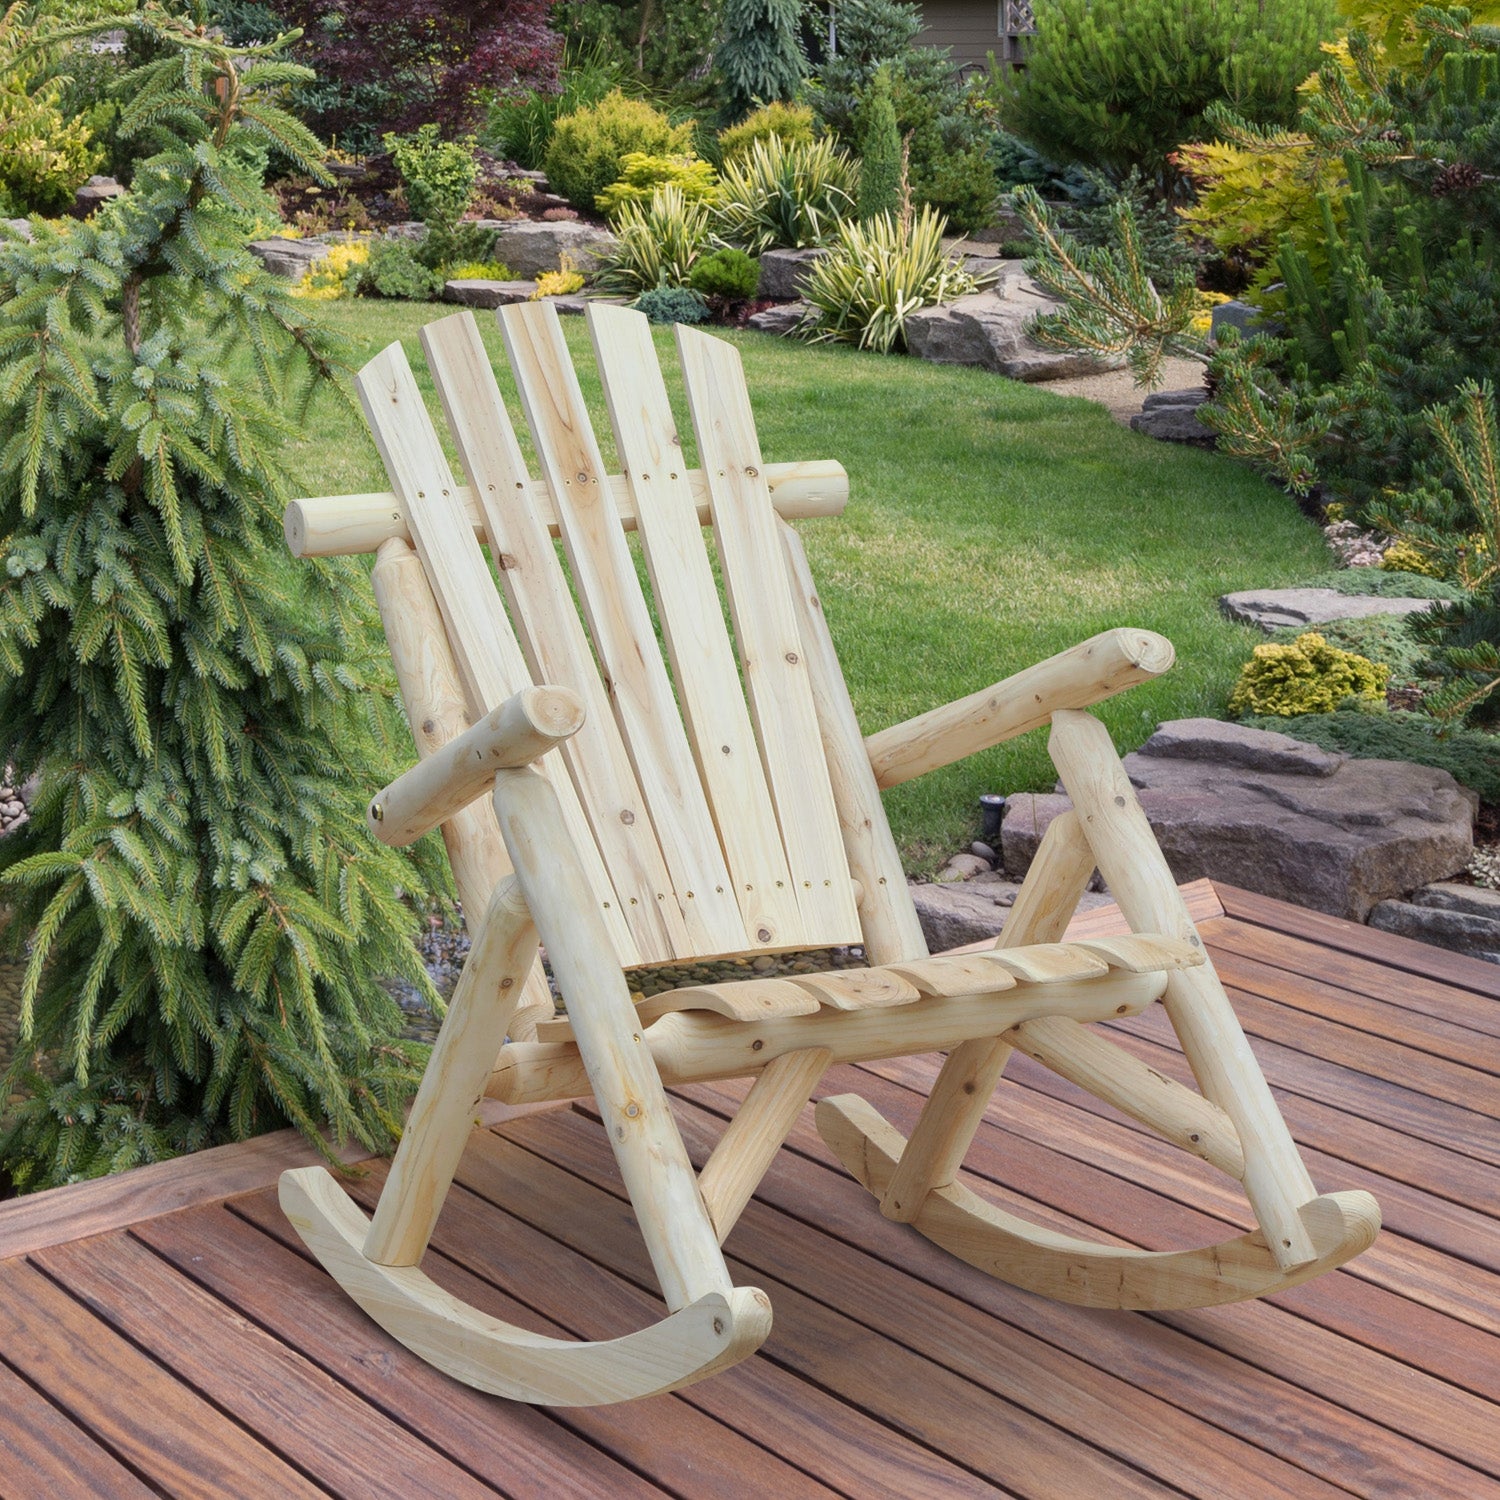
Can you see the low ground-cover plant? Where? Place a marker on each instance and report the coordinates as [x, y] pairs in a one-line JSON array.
[[589, 147], [672, 304], [876, 275], [780, 195], [1386, 584], [1308, 675], [207, 918]]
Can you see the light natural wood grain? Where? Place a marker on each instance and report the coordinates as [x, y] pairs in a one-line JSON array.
[[347, 525], [710, 1333], [886, 914], [618, 1065], [1338, 1226], [620, 626], [742, 1000], [443, 1114], [488, 655], [692, 620], [696, 1047], [552, 636], [1276, 1181], [1058, 876], [754, 1136], [433, 697], [859, 989], [523, 729], [1088, 673], [765, 625]]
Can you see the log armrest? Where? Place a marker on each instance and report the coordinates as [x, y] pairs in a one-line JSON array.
[[1086, 674], [520, 731]]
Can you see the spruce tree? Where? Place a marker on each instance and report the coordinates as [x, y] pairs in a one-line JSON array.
[[880, 152], [206, 915], [760, 55]]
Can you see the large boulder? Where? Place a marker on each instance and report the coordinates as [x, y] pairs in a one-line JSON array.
[[475, 292], [783, 272], [991, 329], [1174, 424], [531, 246], [289, 258], [1271, 814], [783, 318], [1282, 609], [94, 194]]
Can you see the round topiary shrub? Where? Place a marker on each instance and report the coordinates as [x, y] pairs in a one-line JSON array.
[[1305, 676], [589, 147], [730, 274]]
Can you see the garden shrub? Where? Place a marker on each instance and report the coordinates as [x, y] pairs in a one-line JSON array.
[[876, 275], [519, 126], [1091, 211], [1305, 676], [439, 176], [396, 64], [589, 146], [641, 175], [790, 123], [1467, 755], [1125, 86], [329, 278], [662, 46], [672, 304], [393, 270], [729, 274], [759, 56], [479, 270], [208, 919], [562, 282], [658, 243], [44, 154], [879, 152], [780, 196], [1387, 640]]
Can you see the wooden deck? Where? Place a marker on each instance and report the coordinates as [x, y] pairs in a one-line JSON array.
[[163, 1333]]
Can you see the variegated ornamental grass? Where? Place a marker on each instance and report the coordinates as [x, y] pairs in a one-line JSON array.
[[785, 195], [877, 274]]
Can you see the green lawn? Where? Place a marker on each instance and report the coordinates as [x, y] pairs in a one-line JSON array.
[[989, 524]]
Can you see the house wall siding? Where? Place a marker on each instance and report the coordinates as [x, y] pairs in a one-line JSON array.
[[969, 28]]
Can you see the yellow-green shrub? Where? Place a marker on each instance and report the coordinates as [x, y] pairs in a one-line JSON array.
[[325, 280], [641, 175], [1405, 557], [560, 283], [43, 156], [792, 123], [589, 146], [1306, 676]]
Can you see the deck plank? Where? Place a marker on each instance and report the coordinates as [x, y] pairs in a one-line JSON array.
[[44, 1456], [313, 1421], [161, 1428], [166, 1332]]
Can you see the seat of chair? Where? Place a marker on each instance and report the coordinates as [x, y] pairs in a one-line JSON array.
[[946, 976]]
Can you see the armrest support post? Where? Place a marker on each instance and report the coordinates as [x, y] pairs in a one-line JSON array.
[[1088, 673], [520, 731]]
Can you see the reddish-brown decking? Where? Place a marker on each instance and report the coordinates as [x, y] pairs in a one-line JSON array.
[[160, 1337]]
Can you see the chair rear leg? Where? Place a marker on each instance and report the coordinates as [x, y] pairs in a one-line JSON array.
[[442, 1116], [1059, 875], [1276, 1181]]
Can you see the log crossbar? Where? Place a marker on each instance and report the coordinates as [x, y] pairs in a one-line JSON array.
[[663, 765]]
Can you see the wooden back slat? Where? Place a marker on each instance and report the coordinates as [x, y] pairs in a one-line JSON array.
[[776, 671], [620, 625], [692, 620], [488, 656], [552, 635]]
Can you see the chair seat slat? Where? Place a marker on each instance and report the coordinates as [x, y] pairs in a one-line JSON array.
[[776, 672], [692, 619], [488, 655], [552, 635], [620, 626]]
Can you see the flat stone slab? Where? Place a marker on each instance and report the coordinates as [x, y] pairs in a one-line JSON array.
[[476, 292], [784, 318], [290, 258], [990, 329], [1464, 918], [1283, 609], [1268, 813], [1174, 424]]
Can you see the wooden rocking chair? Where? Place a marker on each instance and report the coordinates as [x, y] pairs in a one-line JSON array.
[[733, 827]]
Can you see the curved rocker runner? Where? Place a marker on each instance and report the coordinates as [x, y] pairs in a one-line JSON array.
[[625, 806]]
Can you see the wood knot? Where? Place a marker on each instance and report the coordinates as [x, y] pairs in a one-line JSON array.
[[627, 817]]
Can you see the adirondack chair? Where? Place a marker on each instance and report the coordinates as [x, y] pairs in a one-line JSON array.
[[625, 832]]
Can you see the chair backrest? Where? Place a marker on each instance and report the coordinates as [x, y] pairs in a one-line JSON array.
[[707, 822]]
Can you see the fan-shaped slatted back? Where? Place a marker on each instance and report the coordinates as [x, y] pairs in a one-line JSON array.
[[708, 825]]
